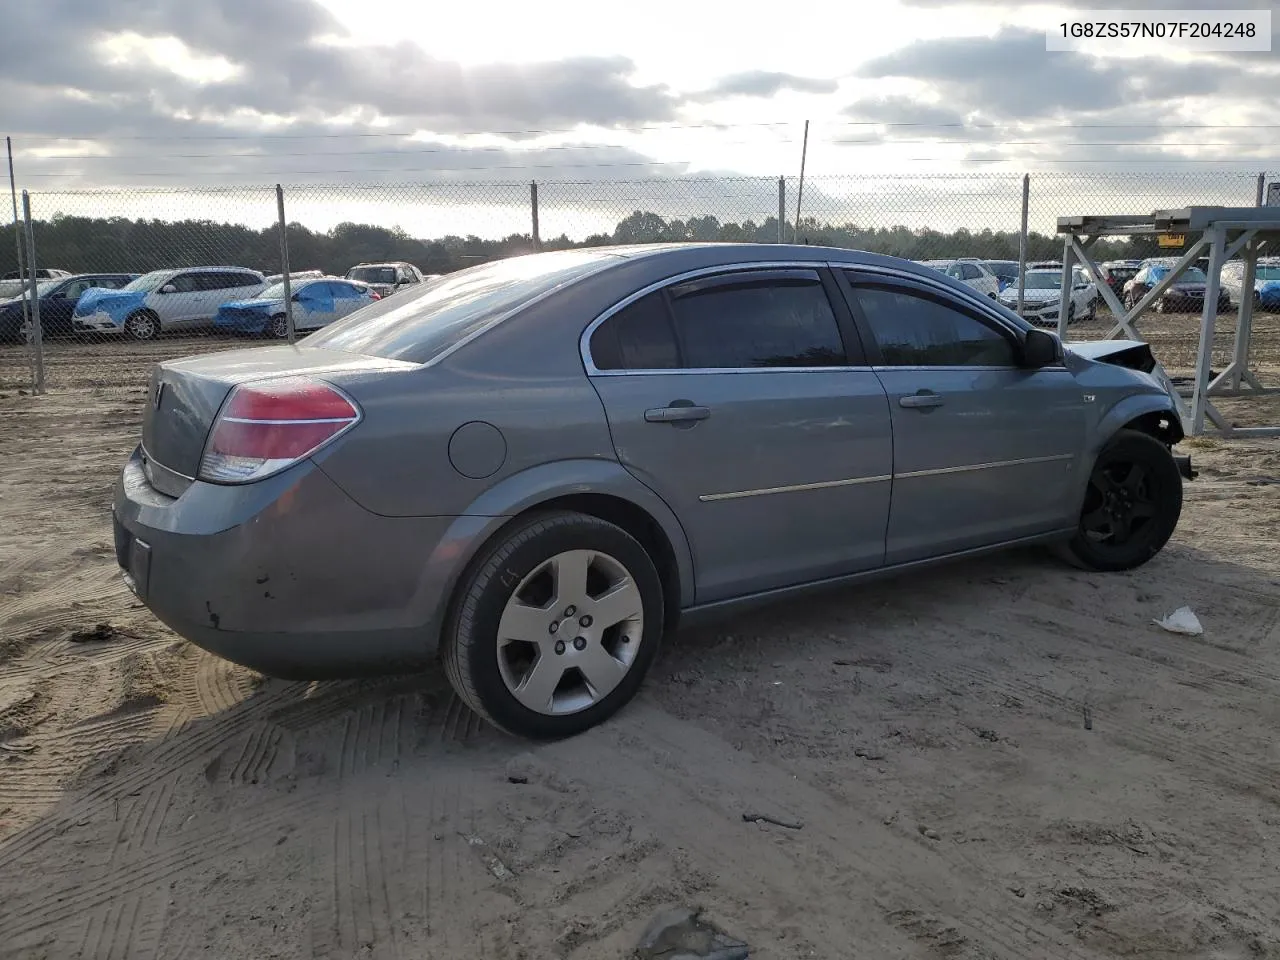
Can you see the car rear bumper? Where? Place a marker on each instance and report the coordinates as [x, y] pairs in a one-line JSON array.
[[288, 576]]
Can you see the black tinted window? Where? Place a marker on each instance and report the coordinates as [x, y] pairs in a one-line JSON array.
[[757, 323], [213, 281], [637, 337], [969, 272], [187, 283], [915, 331]]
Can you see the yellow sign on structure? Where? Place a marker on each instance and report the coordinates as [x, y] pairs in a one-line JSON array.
[[1172, 240]]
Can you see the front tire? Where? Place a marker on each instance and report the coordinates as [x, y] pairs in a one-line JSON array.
[[278, 327], [1131, 506], [555, 626], [142, 325]]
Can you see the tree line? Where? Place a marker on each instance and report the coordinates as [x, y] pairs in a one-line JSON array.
[[87, 244]]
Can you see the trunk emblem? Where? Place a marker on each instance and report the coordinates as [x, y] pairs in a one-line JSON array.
[[155, 401]]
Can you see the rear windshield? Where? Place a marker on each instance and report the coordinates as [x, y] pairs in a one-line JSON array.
[[372, 274], [418, 326]]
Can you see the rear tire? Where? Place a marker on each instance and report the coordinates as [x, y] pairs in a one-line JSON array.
[[143, 325], [537, 681], [1131, 506]]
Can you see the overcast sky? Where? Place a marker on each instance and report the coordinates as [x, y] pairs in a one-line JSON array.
[[168, 92]]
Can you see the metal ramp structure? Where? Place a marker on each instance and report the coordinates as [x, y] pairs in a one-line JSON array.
[[1226, 233]]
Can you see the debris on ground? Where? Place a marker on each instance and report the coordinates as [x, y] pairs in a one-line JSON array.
[[928, 832], [102, 633], [680, 933], [1264, 482], [1183, 621], [867, 754], [1088, 718], [776, 821]]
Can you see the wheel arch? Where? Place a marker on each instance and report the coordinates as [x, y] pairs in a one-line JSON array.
[[599, 488]]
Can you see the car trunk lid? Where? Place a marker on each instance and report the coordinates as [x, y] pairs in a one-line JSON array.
[[184, 397]]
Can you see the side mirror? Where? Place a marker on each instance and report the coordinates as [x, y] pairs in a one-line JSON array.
[[1039, 349], [168, 288], [296, 297]]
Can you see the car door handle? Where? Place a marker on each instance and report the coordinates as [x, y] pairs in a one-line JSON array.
[[918, 401], [676, 414]]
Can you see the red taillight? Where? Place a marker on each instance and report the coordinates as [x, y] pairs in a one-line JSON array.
[[374, 295], [265, 427]]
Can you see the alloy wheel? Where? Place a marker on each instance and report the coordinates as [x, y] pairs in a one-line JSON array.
[[570, 632], [1119, 503]]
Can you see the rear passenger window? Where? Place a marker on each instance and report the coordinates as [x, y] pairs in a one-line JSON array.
[[775, 322], [917, 331], [187, 283], [637, 337], [969, 272]]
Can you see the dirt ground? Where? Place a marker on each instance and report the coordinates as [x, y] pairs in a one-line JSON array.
[[1000, 759]]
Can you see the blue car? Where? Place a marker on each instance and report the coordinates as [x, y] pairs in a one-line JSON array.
[[316, 302]]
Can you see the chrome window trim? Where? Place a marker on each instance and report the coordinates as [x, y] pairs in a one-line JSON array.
[[584, 341], [974, 301], [970, 298]]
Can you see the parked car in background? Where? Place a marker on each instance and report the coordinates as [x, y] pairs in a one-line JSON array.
[[316, 302], [1266, 282], [11, 288], [968, 271], [58, 299], [386, 278], [1186, 295], [294, 276], [1119, 272], [1041, 302], [1006, 271], [536, 482], [165, 300], [42, 273]]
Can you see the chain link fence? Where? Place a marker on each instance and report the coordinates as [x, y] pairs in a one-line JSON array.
[[129, 253]]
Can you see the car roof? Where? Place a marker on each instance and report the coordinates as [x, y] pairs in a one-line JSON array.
[[676, 258]]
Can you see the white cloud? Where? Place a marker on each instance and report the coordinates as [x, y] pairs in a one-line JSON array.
[[169, 54]]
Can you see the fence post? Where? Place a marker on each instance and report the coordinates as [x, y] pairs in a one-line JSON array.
[[284, 262], [1262, 189], [1022, 243], [782, 209], [37, 331], [533, 206], [17, 242], [804, 154]]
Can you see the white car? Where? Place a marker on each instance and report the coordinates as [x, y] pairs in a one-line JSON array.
[[1266, 282], [973, 272], [1042, 294], [165, 300], [294, 276]]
